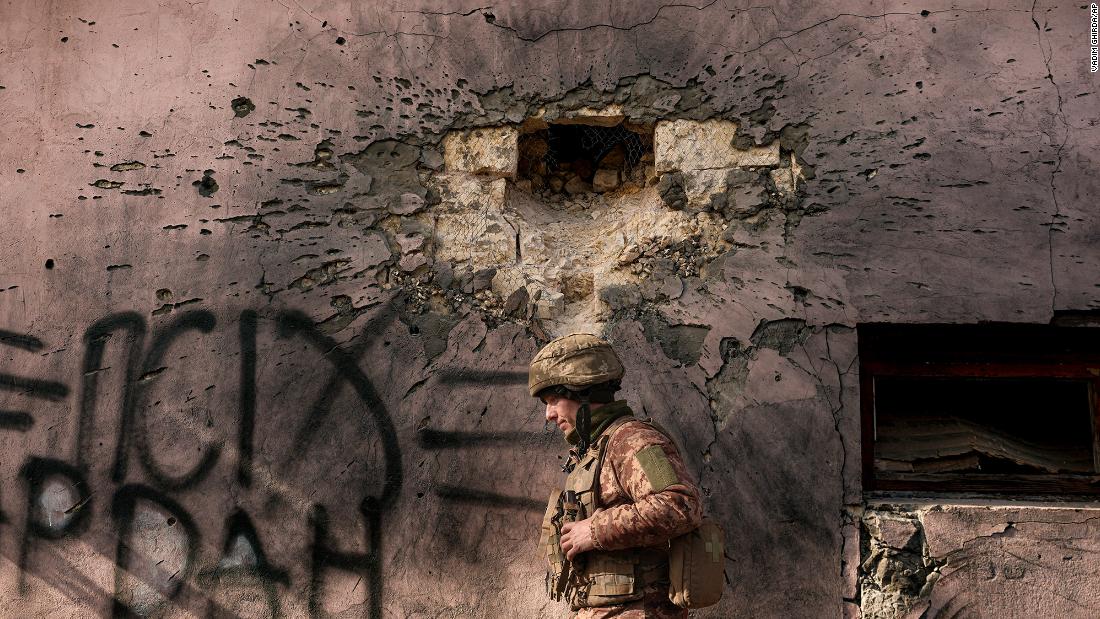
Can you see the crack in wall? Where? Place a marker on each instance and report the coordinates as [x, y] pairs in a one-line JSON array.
[[1055, 217], [491, 19]]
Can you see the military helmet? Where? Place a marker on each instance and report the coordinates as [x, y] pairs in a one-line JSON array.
[[576, 362]]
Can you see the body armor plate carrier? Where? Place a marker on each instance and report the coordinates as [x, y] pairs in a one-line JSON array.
[[597, 577]]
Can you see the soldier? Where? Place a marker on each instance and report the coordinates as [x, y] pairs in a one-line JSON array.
[[627, 493]]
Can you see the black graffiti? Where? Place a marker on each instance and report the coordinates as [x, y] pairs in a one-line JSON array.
[[480, 377], [18, 421], [439, 439], [325, 398], [123, 506], [257, 572], [247, 331], [95, 341], [142, 367], [481, 497], [33, 387], [21, 340], [35, 473], [368, 564], [199, 320], [131, 429], [296, 323], [22, 421], [132, 434], [324, 556]]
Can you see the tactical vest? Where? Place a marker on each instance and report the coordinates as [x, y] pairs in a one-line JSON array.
[[596, 577]]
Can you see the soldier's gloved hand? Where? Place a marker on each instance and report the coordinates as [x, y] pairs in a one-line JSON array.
[[576, 537]]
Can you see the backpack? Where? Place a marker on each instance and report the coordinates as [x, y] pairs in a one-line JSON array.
[[696, 566]]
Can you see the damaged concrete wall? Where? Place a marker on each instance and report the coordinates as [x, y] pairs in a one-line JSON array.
[[271, 275], [979, 560]]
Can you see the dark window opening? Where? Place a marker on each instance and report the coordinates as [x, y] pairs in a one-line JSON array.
[[578, 158], [982, 425], [980, 409]]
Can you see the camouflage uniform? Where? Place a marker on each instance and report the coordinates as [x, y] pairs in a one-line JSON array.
[[639, 498], [633, 514]]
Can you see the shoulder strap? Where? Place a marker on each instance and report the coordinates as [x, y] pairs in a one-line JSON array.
[[615, 425], [584, 476], [604, 441], [658, 427]]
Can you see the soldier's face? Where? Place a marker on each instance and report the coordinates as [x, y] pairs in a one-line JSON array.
[[561, 411]]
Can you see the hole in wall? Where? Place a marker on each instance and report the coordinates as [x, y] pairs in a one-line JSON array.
[[583, 158], [571, 216]]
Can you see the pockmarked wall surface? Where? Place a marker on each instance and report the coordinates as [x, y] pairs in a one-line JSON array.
[[271, 273]]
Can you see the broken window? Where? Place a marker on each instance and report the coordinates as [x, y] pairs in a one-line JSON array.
[[999, 408], [575, 157]]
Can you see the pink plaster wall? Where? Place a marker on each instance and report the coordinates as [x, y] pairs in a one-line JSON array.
[[954, 154]]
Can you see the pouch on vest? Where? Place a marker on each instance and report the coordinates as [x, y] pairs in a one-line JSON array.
[[696, 566], [611, 578], [549, 548], [601, 578]]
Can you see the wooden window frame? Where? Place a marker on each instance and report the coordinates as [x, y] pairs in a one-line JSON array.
[[1001, 350]]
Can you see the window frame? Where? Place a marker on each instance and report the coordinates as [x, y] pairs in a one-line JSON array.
[[986, 350]]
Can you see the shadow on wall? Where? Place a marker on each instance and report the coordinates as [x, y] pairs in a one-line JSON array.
[[125, 496], [158, 539]]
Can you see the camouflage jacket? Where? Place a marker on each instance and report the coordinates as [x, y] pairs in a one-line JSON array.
[[643, 498], [647, 496]]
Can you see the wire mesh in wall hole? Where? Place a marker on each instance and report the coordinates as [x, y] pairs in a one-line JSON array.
[[580, 150]]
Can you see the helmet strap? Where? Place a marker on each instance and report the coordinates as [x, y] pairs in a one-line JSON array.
[[584, 422]]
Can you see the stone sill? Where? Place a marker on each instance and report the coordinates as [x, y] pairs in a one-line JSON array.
[[922, 500]]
